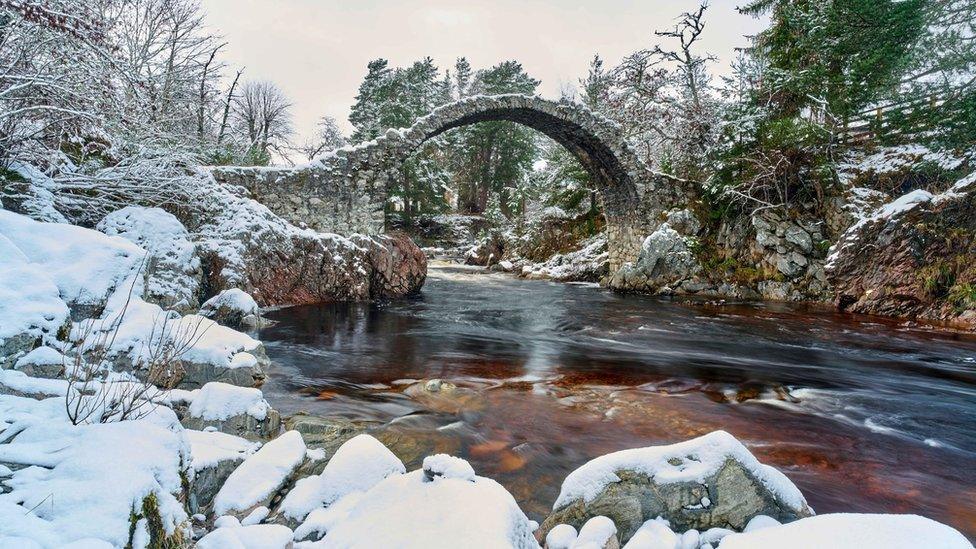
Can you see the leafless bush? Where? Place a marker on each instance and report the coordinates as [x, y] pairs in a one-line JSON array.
[[94, 395]]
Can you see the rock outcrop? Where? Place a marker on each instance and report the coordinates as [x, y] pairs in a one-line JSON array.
[[172, 268], [232, 308], [913, 258], [243, 245]]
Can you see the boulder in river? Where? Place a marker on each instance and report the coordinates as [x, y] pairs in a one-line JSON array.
[[239, 411], [230, 308], [665, 258], [710, 481]]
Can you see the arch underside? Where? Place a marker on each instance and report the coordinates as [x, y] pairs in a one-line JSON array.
[[613, 180]]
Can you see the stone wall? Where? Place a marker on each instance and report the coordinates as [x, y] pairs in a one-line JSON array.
[[322, 197]]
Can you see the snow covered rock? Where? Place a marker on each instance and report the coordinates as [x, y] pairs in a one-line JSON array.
[[212, 352], [242, 244], [28, 192], [86, 266], [709, 481], [17, 383], [240, 411], [598, 533], [665, 258], [590, 263], [412, 511], [215, 455], [357, 466], [654, 534], [113, 482], [562, 536], [31, 307], [172, 269], [256, 536], [256, 481], [852, 531], [43, 361], [230, 308]]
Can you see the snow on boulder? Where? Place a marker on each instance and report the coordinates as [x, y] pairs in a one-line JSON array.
[[17, 383], [231, 308], [654, 534], [445, 466], [562, 536], [359, 464], [211, 350], [86, 266], [852, 531], [255, 482], [32, 196], [412, 511], [105, 482], [709, 481], [43, 361], [215, 455], [173, 272], [240, 411], [598, 533], [257, 536], [31, 307]]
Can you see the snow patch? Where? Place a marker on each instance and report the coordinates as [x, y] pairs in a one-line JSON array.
[[358, 465], [261, 474], [852, 531], [218, 401]]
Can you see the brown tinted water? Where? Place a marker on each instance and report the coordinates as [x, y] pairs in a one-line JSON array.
[[862, 414]]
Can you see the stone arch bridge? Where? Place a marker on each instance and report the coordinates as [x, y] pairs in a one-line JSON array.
[[345, 191]]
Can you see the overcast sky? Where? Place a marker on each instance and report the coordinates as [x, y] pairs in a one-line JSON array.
[[317, 50]]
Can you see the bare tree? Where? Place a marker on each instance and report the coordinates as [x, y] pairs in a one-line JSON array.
[[328, 137], [263, 117]]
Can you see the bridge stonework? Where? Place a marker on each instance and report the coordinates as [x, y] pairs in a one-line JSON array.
[[345, 191]]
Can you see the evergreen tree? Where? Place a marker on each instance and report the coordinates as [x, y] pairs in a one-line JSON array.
[[495, 157], [596, 86], [365, 113], [844, 53], [462, 78]]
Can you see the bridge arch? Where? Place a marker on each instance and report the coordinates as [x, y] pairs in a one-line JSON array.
[[345, 191], [595, 141]]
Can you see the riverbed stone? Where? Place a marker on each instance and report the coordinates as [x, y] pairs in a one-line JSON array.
[[665, 259], [728, 498]]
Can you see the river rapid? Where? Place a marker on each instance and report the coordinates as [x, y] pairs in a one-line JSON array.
[[863, 414]]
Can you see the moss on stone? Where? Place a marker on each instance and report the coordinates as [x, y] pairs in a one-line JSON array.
[[158, 538]]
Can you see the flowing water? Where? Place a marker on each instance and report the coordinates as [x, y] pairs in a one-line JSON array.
[[862, 414]]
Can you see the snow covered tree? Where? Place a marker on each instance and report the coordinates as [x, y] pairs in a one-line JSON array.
[[262, 120], [328, 137], [596, 87]]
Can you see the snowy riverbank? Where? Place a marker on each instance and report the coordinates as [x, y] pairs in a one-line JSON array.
[[124, 423]]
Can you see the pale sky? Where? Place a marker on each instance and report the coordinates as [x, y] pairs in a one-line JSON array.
[[317, 50]]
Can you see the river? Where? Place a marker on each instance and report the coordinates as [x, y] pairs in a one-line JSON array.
[[863, 414]]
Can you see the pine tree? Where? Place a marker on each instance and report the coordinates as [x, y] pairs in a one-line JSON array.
[[845, 53], [365, 113], [596, 86], [462, 78]]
